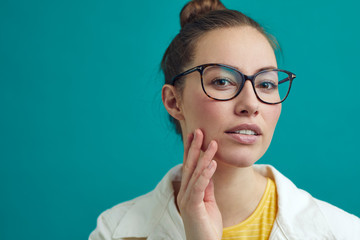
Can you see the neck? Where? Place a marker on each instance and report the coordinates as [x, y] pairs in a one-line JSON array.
[[238, 191]]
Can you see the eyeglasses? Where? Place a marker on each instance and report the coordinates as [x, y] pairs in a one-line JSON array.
[[223, 83]]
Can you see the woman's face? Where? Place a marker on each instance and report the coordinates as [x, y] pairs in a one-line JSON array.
[[249, 51]]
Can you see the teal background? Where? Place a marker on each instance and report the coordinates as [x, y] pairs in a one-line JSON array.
[[82, 126]]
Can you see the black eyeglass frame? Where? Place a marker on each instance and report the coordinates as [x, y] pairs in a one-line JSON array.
[[201, 69]]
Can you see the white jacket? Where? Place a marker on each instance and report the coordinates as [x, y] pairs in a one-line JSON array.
[[154, 216]]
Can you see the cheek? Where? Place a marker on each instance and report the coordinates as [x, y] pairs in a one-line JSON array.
[[197, 107], [202, 112], [271, 116]]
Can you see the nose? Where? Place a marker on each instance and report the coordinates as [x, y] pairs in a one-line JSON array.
[[247, 104]]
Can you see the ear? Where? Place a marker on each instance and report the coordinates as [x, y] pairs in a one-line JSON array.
[[171, 101]]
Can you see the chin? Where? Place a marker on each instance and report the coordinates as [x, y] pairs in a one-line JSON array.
[[240, 159]]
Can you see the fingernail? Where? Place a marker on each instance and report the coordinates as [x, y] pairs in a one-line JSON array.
[[211, 164], [211, 144]]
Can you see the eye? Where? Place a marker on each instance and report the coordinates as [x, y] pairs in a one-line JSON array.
[[267, 85], [222, 82]]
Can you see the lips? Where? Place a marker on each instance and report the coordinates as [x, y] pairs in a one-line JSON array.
[[245, 133], [246, 129]]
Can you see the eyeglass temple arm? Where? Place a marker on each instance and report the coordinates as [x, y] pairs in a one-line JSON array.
[[288, 78], [185, 73]]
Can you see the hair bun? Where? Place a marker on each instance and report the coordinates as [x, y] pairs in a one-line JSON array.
[[196, 8]]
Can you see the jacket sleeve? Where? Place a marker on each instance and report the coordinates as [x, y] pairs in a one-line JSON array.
[[109, 220], [343, 224], [103, 229]]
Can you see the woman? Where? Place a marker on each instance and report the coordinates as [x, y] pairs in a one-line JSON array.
[[227, 124]]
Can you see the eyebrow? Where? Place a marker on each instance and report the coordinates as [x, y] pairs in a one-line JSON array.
[[258, 70]]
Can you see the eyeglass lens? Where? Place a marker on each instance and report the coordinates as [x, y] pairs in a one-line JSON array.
[[224, 83]]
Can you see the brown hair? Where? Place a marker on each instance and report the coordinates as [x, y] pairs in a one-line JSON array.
[[197, 18]]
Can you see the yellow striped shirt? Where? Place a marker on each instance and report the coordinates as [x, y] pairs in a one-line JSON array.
[[260, 222]]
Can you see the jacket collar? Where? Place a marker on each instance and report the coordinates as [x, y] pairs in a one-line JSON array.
[[154, 215], [299, 216]]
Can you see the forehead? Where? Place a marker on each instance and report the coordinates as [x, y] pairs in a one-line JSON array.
[[242, 47]]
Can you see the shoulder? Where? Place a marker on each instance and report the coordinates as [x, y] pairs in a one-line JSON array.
[[110, 219], [152, 216], [344, 224], [301, 216]]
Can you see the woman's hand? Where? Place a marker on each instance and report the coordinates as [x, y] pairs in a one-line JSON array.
[[196, 200]]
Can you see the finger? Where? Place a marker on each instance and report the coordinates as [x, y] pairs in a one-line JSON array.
[[203, 190], [195, 146], [209, 195], [204, 161], [191, 159], [187, 146], [200, 177]]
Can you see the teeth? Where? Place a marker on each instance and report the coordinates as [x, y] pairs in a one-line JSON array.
[[246, 132]]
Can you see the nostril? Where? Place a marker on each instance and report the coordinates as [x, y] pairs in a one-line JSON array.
[[247, 111]]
